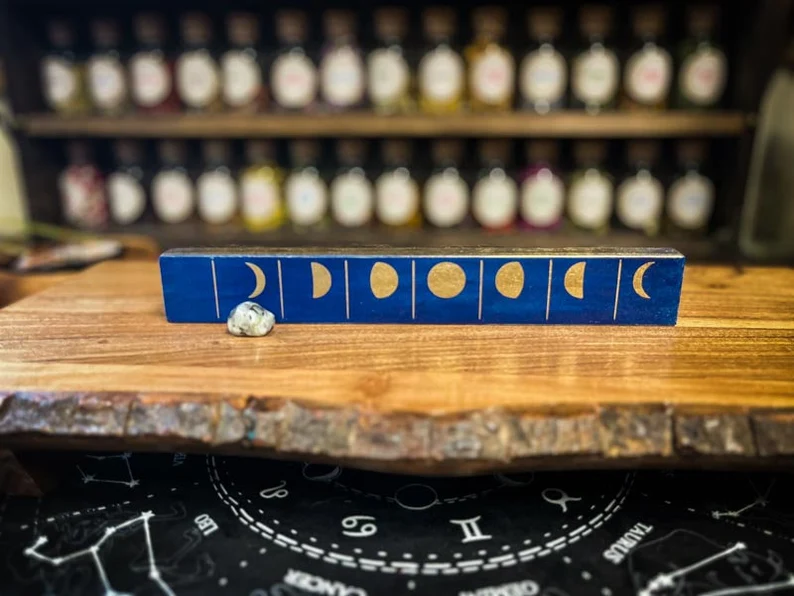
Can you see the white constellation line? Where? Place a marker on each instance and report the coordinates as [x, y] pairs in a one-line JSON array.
[[87, 478], [759, 589]]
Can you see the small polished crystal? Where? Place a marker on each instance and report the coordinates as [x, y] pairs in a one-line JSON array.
[[248, 319]]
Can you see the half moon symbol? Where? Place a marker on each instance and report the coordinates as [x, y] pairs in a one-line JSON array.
[[383, 280], [260, 280], [510, 280], [639, 275], [321, 280], [574, 280]]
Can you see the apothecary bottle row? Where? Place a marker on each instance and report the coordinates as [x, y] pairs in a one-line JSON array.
[[604, 68], [497, 186]]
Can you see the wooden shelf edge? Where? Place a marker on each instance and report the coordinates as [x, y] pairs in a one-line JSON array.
[[556, 125]]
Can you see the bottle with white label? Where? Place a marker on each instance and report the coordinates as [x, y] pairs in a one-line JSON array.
[[442, 71], [542, 192], [216, 187], [198, 74], [126, 186], [305, 190], [703, 67], [591, 189], [82, 189], [343, 78], [595, 72], [152, 68], [242, 65], [648, 72], [494, 202], [261, 193], [446, 200], [640, 196], [397, 201], [352, 193], [389, 79], [63, 73], [107, 76], [173, 191], [690, 198], [543, 76], [491, 67], [294, 80]]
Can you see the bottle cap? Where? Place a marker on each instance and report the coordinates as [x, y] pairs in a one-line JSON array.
[[642, 152], [590, 152], [649, 20], [391, 23], [692, 151], [351, 152], [216, 152], [544, 23], [127, 151], [172, 152], [260, 151], [79, 152], [439, 23], [291, 26], [304, 152], [542, 151], [489, 22], [702, 19], [494, 151], [149, 28], [396, 152], [105, 33], [595, 21], [196, 28], [339, 24], [242, 29], [60, 34], [446, 151]]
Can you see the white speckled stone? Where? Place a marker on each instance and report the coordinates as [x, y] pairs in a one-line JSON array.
[[251, 320]]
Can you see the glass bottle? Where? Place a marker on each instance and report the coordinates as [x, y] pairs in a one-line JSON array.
[[342, 75], [542, 187], [261, 187], [173, 191], [198, 76], [107, 77], [648, 72], [216, 187], [396, 190], [543, 77], [446, 193], [389, 79], [492, 69], [293, 74], [591, 189], [495, 194], [305, 190], [152, 69], [242, 65], [595, 75], [690, 198], [63, 74], [704, 68], [441, 75], [126, 188], [82, 188], [352, 194], [640, 197]]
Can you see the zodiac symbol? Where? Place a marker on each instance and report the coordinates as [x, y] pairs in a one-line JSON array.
[[367, 529], [275, 492], [319, 473], [471, 531], [562, 501]]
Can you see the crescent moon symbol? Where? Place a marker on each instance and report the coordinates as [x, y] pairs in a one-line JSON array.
[[321, 280], [574, 280], [260, 280], [639, 275]]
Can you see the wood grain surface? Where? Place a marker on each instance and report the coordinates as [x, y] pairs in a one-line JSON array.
[[93, 362]]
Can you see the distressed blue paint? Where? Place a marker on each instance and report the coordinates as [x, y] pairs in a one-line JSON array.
[[189, 292]]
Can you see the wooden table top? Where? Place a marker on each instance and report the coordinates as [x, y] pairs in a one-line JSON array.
[[92, 361]]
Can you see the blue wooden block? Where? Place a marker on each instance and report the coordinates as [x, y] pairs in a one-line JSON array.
[[409, 286]]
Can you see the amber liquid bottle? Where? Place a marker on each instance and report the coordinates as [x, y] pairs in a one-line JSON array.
[[595, 72], [495, 194], [126, 185], [640, 197], [446, 200], [491, 67], [261, 188], [352, 193], [173, 190], [63, 73], [397, 201], [542, 200], [703, 67], [243, 66], [441, 76], [152, 69], [591, 189], [648, 72], [343, 79], [690, 198], [543, 77], [389, 79], [198, 74], [107, 76], [305, 190], [294, 81], [82, 188]]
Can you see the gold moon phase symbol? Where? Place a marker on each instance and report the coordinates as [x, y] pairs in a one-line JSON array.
[[260, 280], [574, 280], [639, 276], [446, 280], [510, 280], [383, 280], [321, 280]]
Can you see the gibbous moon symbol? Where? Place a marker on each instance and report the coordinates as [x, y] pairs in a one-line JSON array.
[[383, 280], [510, 280], [321, 280], [639, 275], [574, 280], [260, 280], [446, 280]]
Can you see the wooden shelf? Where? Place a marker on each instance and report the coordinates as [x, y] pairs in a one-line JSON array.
[[558, 125]]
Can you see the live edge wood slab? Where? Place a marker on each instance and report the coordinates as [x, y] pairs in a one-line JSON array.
[[92, 363]]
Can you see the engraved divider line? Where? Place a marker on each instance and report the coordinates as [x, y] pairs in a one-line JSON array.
[[617, 290], [215, 289]]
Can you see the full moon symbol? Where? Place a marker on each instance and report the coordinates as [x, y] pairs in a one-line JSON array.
[[639, 276], [510, 280], [260, 280], [383, 280], [574, 280], [321, 280], [446, 280]]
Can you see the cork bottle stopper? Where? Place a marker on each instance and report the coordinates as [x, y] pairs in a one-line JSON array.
[[702, 19], [304, 152], [642, 152], [149, 28], [339, 24], [542, 151], [350, 152], [396, 152], [243, 29], [692, 151], [649, 21], [494, 151], [291, 26], [439, 23], [595, 21], [260, 151], [216, 152], [105, 33], [172, 152], [489, 22], [588, 153], [391, 23], [196, 28], [447, 151], [79, 152], [544, 23], [60, 34], [127, 152]]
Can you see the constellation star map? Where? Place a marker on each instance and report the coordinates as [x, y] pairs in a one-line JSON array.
[[173, 524]]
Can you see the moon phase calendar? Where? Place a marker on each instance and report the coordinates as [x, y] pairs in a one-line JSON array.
[[405, 286]]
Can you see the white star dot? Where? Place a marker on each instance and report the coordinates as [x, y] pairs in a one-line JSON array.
[[432, 556], [407, 556], [243, 564], [223, 581]]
